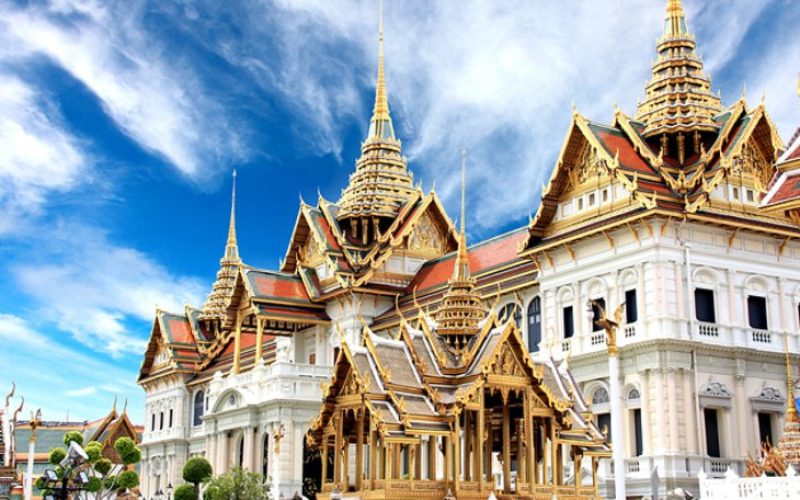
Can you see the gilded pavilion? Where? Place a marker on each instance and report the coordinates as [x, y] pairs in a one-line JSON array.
[[458, 369]]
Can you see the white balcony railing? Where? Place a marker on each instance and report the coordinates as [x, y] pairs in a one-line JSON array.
[[708, 330], [598, 338], [632, 465], [761, 336], [630, 331]]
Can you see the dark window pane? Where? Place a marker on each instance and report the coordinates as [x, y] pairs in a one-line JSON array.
[[170, 418], [637, 429], [534, 324], [604, 423], [765, 428], [712, 432], [704, 305], [199, 403], [631, 308], [757, 312], [596, 314], [569, 322]]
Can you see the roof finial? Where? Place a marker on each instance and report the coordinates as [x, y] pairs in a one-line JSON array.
[[114, 407], [232, 249], [791, 411], [381, 124], [461, 270], [675, 22]]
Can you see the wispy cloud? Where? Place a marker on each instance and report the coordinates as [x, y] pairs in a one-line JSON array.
[[496, 78], [47, 372], [37, 156], [93, 288], [158, 102]]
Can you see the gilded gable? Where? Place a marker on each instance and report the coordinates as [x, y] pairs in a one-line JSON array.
[[427, 238]]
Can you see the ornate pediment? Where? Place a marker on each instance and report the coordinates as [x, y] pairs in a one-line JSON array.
[[507, 364], [769, 394], [750, 164], [716, 390], [589, 168], [427, 237], [311, 253]]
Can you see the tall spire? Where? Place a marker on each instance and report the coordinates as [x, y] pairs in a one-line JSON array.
[[222, 290], [791, 411], [461, 310], [232, 248], [789, 442], [381, 183], [678, 98]]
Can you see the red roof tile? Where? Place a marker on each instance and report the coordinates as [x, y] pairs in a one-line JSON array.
[[280, 286], [788, 191], [180, 331], [628, 156]]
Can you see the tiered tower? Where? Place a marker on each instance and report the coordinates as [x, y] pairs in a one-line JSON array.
[[678, 103], [381, 183], [789, 443], [461, 310], [217, 302]]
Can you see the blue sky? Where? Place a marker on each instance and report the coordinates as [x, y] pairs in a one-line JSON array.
[[120, 122]]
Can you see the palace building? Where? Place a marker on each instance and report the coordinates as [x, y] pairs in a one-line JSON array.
[[447, 367]]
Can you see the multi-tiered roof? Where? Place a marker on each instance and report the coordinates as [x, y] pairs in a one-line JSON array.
[[678, 99]]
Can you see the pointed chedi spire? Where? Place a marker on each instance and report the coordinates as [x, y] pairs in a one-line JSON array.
[[381, 184], [461, 311], [789, 442], [222, 290], [678, 98]]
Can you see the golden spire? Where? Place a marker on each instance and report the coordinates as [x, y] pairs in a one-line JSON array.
[[791, 411], [678, 98], [381, 183], [461, 310], [222, 290]]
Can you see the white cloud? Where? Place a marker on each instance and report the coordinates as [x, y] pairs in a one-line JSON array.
[[496, 77], [92, 288], [60, 379], [83, 391], [155, 100], [37, 157]]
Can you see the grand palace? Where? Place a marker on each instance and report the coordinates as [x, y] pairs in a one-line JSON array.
[[386, 358]]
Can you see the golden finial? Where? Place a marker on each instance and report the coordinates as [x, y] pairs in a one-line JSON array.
[[461, 268], [114, 406], [791, 411], [232, 226], [381, 126], [676, 18]]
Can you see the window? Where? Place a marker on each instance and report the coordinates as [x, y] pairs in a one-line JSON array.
[[605, 195], [704, 305], [312, 358], [596, 313], [604, 424], [750, 196], [765, 428], [240, 451], [757, 312], [153, 422], [600, 396], [736, 193], [637, 432], [712, 432], [569, 322], [592, 199], [199, 402], [580, 204], [170, 418], [161, 421], [508, 311], [631, 308], [534, 324], [265, 457]]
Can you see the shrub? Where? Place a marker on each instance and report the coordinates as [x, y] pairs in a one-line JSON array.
[[185, 492], [128, 480], [95, 451], [128, 451], [94, 485], [103, 466], [57, 455], [236, 484], [71, 436], [197, 470]]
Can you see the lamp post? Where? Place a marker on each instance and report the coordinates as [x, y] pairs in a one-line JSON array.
[[169, 491], [36, 419], [610, 326]]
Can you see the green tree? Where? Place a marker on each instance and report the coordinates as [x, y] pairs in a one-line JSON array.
[[197, 470], [237, 485], [106, 479], [185, 492]]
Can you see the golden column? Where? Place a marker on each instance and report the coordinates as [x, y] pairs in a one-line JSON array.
[[359, 448], [506, 449]]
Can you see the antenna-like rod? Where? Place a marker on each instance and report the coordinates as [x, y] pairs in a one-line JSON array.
[[791, 411]]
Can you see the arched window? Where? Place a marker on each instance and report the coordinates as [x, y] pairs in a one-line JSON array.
[[199, 407], [634, 394], [510, 310], [600, 396], [534, 324]]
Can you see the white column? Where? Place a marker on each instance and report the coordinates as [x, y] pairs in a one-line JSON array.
[[689, 416], [672, 397], [29, 472], [249, 442], [616, 427], [646, 415], [661, 435]]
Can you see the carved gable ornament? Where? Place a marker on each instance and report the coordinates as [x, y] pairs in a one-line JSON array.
[[715, 394], [311, 253], [426, 237], [750, 163], [768, 398], [589, 168], [507, 364]]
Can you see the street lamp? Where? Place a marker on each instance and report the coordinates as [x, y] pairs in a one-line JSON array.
[[169, 491], [610, 326]]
